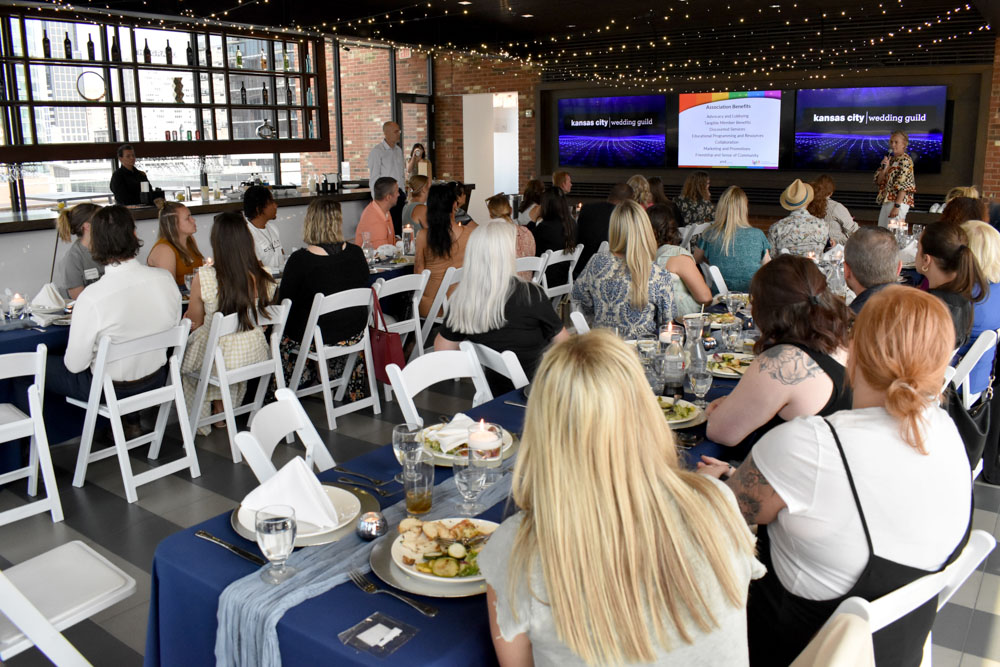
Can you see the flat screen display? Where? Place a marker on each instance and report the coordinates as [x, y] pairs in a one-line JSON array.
[[849, 128], [733, 130], [613, 131]]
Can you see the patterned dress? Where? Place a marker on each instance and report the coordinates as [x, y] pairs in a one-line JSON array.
[[799, 233], [525, 247], [898, 177], [238, 349], [602, 292], [695, 212]]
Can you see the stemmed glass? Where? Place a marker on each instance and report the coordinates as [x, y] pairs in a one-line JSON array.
[[485, 448], [700, 381], [406, 440], [470, 479], [275, 528]]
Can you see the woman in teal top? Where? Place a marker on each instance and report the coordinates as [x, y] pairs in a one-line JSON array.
[[732, 244]]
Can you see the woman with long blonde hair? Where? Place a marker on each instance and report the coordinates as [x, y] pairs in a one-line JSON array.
[[499, 209], [640, 189], [864, 501], [175, 249], [77, 268], [732, 244], [984, 242], [624, 289], [618, 555]]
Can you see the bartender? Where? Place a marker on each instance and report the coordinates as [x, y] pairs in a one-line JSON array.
[[127, 181]]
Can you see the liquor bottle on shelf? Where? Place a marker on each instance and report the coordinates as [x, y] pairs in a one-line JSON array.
[[263, 92], [147, 55], [189, 135], [167, 132], [239, 58], [243, 94], [312, 132], [174, 135], [263, 60], [208, 53], [284, 57], [90, 48], [309, 96], [46, 45], [288, 94], [116, 51], [68, 47], [170, 54], [190, 55], [308, 63]]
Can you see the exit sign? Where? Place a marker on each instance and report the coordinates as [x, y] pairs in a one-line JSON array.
[[403, 53]]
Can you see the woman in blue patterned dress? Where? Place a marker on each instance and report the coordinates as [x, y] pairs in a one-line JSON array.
[[624, 289]]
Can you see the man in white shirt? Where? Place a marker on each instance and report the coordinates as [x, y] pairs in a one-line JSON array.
[[260, 209], [130, 301], [386, 159]]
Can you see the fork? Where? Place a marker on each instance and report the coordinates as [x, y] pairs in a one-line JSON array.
[[368, 487], [367, 586], [376, 482]]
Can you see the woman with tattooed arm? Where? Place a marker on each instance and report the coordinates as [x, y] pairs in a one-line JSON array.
[[799, 368], [866, 501]]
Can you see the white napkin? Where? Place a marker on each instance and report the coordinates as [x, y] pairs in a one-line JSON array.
[[399, 247], [296, 485], [835, 253], [908, 255], [46, 319], [454, 433], [49, 297], [387, 251]]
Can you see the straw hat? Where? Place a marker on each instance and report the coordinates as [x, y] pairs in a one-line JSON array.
[[796, 196]]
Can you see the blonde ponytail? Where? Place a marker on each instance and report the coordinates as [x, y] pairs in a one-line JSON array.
[[71, 220]]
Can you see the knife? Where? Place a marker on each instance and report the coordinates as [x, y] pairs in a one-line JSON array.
[[242, 553]]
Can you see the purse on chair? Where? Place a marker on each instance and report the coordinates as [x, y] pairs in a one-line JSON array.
[[387, 347]]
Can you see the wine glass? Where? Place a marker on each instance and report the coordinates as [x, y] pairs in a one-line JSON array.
[[700, 381], [275, 528], [470, 479], [731, 334], [406, 440]]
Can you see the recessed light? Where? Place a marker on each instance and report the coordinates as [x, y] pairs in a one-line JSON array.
[[527, 16], [464, 2]]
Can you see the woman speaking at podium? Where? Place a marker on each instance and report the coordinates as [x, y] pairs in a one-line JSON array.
[[896, 184]]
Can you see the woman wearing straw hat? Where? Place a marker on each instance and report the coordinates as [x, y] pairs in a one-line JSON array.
[[800, 232]]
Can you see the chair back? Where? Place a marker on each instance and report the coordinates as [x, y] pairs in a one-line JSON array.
[[415, 285], [986, 343], [270, 425], [39, 631], [557, 291], [534, 264], [579, 322], [505, 363], [451, 277], [690, 231], [21, 364], [603, 248], [324, 304], [432, 368], [720, 282]]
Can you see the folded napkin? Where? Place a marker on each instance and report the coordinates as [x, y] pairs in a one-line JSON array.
[[387, 251], [454, 433], [296, 485], [49, 297], [47, 319], [908, 255]]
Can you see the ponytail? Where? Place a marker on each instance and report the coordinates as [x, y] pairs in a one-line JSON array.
[[948, 245], [905, 402], [63, 226], [70, 221]]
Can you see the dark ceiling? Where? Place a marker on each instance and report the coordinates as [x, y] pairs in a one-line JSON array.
[[629, 42]]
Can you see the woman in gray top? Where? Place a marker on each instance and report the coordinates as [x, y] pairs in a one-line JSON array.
[[415, 210], [77, 268]]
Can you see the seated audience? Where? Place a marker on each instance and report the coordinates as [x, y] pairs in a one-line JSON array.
[[327, 265], [800, 232], [593, 222], [656, 191], [640, 190], [970, 191], [524, 245], [695, 201], [960, 209], [984, 241], [77, 268], [260, 209], [836, 216], [530, 209], [866, 501], [871, 262], [415, 210], [946, 260], [462, 197], [175, 249], [375, 219], [624, 289], [732, 244], [235, 283], [562, 180], [555, 231], [495, 308], [442, 243], [669, 588], [799, 368], [690, 289]]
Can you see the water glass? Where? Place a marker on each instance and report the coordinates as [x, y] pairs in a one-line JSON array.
[[700, 381], [647, 346], [418, 483], [275, 529], [655, 368], [406, 441], [731, 334], [470, 480]]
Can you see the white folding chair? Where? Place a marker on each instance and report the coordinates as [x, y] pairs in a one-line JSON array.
[[720, 283], [225, 378], [603, 248], [690, 231], [53, 591], [557, 292], [943, 584], [579, 322], [415, 284], [270, 425], [172, 341], [322, 353], [534, 264], [985, 343], [435, 315], [505, 363], [432, 368]]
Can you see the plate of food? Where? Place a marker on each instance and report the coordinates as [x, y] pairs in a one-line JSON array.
[[729, 364], [716, 320], [442, 457], [678, 411], [444, 550]]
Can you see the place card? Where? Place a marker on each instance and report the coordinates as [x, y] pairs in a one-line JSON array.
[[378, 634]]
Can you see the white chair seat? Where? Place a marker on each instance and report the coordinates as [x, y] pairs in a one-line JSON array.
[[9, 414]]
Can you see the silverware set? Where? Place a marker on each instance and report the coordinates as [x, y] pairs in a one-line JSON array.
[[367, 586], [376, 482], [368, 487]]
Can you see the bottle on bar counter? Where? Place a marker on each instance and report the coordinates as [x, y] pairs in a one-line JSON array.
[[243, 94], [284, 57], [116, 51], [68, 47], [263, 60], [263, 92], [308, 62], [288, 93], [170, 54], [239, 58], [190, 55], [46, 45], [312, 132], [147, 55], [309, 96], [90, 48]]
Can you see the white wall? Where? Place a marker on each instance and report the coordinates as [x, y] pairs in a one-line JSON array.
[[26, 257], [489, 134]]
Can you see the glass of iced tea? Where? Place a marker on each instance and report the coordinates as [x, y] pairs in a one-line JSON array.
[[418, 484]]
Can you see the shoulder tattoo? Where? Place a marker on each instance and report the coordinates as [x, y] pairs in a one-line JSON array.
[[788, 365]]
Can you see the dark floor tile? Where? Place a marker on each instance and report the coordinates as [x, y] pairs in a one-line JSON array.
[[984, 635], [96, 645], [987, 497], [952, 626]]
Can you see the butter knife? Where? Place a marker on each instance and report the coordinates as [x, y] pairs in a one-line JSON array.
[[242, 553]]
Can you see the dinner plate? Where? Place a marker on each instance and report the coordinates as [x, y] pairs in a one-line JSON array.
[[367, 503], [677, 422], [47, 310], [697, 421], [726, 373], [718, 325], [398, 551], [448, 459], [393, 575]]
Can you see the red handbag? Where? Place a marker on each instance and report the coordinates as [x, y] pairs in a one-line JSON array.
[[387, 347]]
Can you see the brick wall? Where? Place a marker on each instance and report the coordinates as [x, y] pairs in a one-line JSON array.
[[991, 172], [324, 163]]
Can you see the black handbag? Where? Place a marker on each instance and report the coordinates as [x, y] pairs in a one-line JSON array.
[[973, 424]]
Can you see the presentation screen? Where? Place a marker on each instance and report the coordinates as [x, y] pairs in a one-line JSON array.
[[736, 130], [613, 131], [849, 128]]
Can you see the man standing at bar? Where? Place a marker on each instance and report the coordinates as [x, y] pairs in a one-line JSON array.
[[127, 181], [386, 160]]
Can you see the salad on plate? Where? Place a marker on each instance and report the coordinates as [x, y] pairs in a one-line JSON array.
[[442, 549]]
